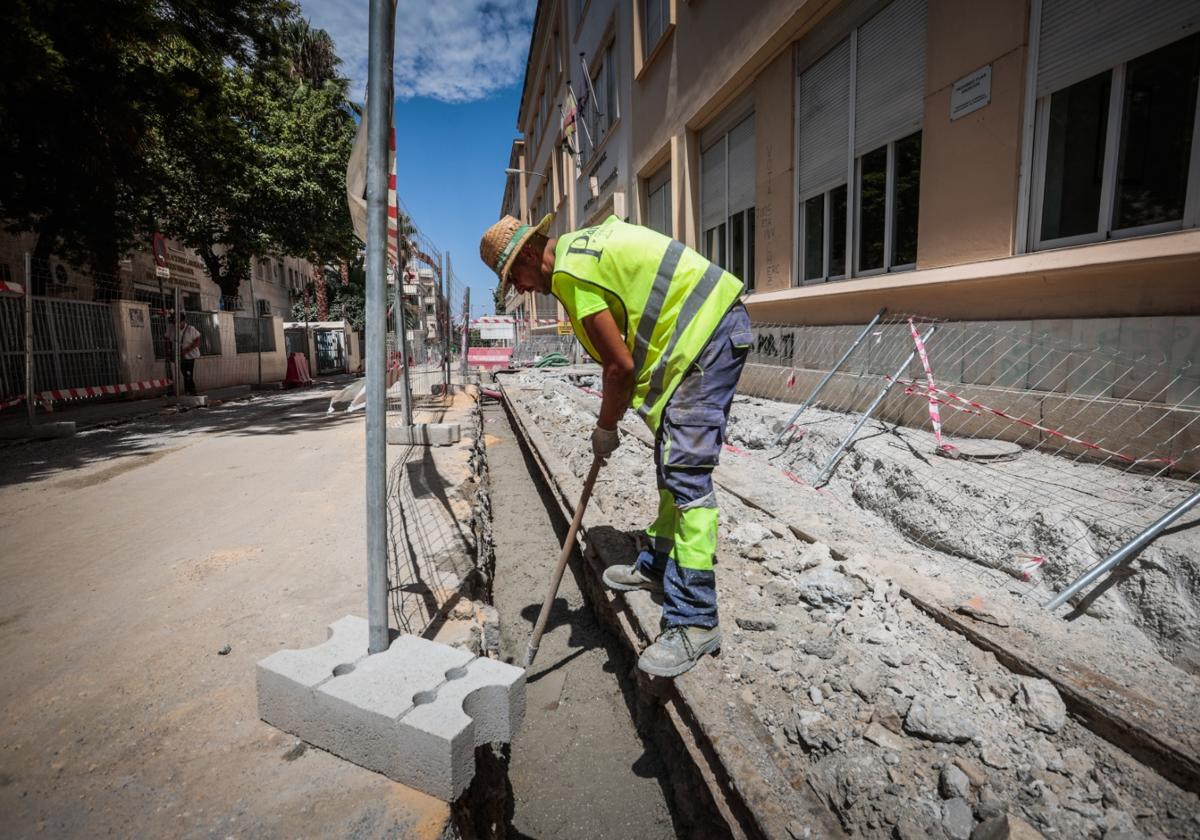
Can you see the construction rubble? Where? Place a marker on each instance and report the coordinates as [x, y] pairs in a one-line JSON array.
[[840, 633]]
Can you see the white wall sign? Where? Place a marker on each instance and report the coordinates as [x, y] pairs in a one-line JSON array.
[[492, 332], [971, 92]]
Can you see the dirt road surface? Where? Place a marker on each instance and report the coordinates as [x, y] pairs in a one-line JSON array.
[[132, 557], [579, 768]]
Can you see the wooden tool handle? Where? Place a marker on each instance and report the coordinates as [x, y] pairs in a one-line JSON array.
[[568, 545]]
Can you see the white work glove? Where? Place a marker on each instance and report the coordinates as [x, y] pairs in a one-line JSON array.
[[604, 441]]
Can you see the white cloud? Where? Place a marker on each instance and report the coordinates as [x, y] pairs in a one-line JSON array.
[[452, 50]]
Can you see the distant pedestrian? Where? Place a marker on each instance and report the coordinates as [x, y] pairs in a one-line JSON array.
[[189, 352]]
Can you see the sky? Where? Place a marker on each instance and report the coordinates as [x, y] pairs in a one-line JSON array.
[[459, 65]]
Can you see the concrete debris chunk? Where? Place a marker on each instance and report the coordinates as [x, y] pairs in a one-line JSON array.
[[954, 783], [957, 819], [865, 684], [974, 773], [1040, 705], [936, 721], [825, 586], [882, 737], [757, 625], [1005, 827], [985, 611]]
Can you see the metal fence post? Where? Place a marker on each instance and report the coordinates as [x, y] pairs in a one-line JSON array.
[[379, 108], [883, 392], [446, 326], [29, 392], [174, 328], [825, 379], [402, 348], [1130, 548], [466, 334]]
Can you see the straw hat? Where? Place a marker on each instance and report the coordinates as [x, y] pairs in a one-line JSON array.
[[504, 240]]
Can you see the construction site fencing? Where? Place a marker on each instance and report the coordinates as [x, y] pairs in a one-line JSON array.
[[96, 335], [535, 348], [1016, 451]]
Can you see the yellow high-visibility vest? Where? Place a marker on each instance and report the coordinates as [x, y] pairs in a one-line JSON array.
[[666, 299]]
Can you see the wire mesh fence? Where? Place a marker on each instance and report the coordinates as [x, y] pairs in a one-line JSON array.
[[534, 349], [97, 335], [1014, 450]]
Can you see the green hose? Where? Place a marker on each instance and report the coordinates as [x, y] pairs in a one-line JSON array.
[[553, 360]]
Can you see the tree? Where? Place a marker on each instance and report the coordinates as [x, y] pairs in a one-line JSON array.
[[83, 88], [260, 167]]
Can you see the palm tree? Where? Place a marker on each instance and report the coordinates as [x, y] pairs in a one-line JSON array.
[[309, 52]]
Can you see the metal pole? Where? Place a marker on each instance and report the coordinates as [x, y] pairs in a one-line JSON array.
[[445, 308], [29, 407], [379, 107], [825, 380], [883, 392], [175, 344], [466, 331], [257, 327], [402, 349], [1124, 552]]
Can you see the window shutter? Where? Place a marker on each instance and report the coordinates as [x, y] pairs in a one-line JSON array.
[[825, 120], [1080, 38], [890, 98], [741, 166], [712, 185]]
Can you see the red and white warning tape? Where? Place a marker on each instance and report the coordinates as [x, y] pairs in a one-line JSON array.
[[974, 407], [60, 394], [935, 416]]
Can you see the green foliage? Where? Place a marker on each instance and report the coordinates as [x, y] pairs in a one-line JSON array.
[[219, 122]]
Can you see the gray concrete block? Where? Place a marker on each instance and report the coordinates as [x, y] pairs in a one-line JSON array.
[[188, 402], [415, 712], [425, 434]]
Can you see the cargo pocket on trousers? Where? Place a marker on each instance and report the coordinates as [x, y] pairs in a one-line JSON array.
[[693, 436], [742, 341]]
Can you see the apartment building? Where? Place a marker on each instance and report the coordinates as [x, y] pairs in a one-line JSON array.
[[1029, 161]]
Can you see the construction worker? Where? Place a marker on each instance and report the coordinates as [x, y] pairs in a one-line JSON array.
[[672, 336]]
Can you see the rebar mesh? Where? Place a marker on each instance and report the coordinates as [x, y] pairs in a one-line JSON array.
[[1052, 453]]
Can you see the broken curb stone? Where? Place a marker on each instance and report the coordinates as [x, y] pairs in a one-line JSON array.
[[933, 720]]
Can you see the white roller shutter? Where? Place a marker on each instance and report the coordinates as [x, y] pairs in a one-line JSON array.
[[1080, 38], [824, 108], [741, 166], [890, 96], [712, 185]]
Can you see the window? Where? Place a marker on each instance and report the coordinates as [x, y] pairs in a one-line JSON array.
[[1114, 150], [859, 151], [602, 113], [658, 202], [727, 201], [5, 273], [656, 14]]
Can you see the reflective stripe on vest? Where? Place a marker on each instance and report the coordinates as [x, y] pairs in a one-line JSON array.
[[666, 298]]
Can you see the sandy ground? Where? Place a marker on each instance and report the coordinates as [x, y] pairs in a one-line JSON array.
[[579, 768], [132, 556], [902, 726]]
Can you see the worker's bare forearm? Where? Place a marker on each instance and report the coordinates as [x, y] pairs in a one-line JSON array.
[[618, 391]]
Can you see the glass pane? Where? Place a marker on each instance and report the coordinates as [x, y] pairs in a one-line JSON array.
[[737, 235], [872, 204], [667, 225], [906, 201], [837, 232], [721, 246], [1075, 158], [814, 238], [1156, 135], [749, 278]]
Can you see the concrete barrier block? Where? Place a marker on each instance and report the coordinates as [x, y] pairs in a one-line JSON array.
[[188, 402], [424, 434], [415, 712]]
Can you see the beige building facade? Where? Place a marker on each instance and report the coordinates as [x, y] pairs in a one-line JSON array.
[[1012, 160]]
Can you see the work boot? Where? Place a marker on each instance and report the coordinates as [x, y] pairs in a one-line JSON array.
[[678, 648], [628, 578]]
